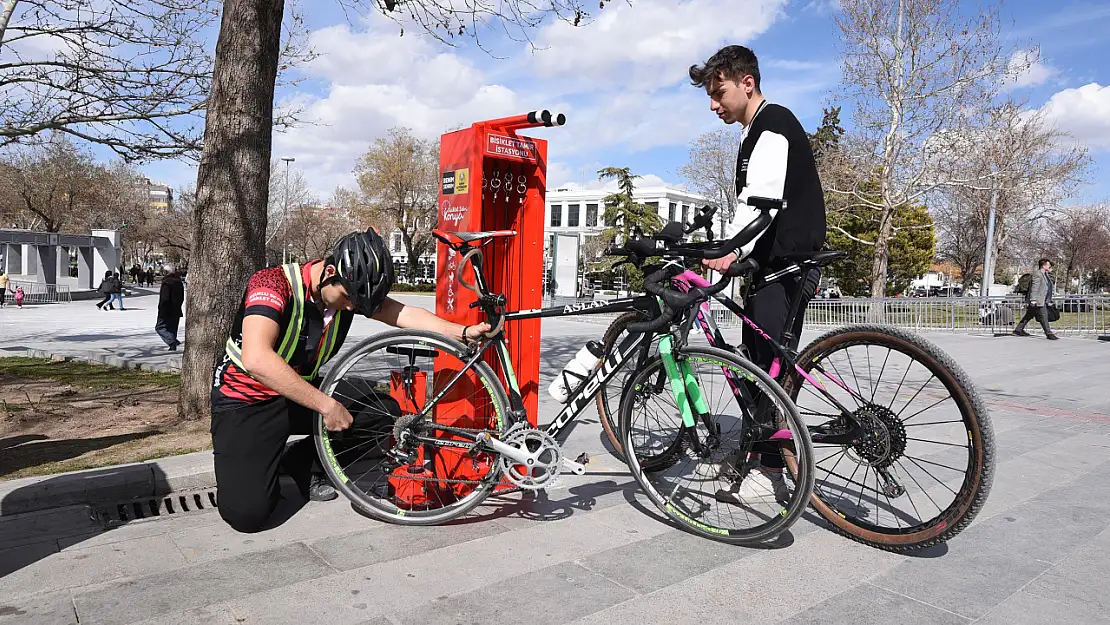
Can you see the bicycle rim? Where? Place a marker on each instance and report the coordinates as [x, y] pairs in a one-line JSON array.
[[434, 483], [704, 492], [924, 466]]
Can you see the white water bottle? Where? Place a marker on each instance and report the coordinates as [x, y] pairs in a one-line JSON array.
[[576, 371]]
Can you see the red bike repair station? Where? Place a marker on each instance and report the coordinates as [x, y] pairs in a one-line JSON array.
[[491, 179]]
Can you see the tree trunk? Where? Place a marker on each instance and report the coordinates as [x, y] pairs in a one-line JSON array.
[[232, 189], [880, 260]]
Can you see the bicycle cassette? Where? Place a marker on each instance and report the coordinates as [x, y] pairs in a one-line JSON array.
[[543, 458]]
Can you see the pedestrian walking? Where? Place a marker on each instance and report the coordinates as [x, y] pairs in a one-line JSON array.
[[117, 290], [1038, 298], [149, 276], [171, 297], [105, 289], [3, 287]]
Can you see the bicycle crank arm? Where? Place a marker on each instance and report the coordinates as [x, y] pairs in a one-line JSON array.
[[577, 467], [521, 456]]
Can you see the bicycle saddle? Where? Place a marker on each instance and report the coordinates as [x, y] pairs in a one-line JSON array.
[[460, 239]]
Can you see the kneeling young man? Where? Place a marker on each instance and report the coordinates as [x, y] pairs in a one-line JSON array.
[[291, 321]]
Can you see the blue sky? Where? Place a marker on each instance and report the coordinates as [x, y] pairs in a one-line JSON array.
[[622, 82]]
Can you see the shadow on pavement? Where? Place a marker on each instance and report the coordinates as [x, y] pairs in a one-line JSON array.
[[35, 450]]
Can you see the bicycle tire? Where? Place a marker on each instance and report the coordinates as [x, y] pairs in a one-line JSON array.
[[609, 418], [802, 469], [384, 508], [977, 481]]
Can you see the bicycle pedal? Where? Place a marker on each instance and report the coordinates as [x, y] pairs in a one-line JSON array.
[[583, 458]]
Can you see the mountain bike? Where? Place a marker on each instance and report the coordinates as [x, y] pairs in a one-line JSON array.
[[902, 463], [444, 430]]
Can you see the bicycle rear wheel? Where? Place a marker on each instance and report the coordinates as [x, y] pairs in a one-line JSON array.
[[385, 382], [924, 466], [714, 492]]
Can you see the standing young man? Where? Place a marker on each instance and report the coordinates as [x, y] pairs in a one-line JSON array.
[[171, 297], [291, 321], [1037, 299], [775, 161]]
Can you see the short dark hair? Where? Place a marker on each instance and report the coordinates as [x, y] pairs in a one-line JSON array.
[[1042, 262], [731, 63]]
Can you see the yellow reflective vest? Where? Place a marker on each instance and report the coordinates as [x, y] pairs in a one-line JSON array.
[[288, 344]]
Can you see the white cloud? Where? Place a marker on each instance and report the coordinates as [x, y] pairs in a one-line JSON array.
[[650, 43], [1028, 70], [1084, 112]]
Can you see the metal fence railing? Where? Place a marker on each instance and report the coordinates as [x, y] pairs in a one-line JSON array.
[[1079, 314], [36, 293]]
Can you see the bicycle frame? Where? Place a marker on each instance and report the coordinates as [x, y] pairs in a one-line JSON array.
[[689, 279]]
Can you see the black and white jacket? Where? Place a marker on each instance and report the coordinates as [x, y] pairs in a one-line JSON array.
[[776, 161]]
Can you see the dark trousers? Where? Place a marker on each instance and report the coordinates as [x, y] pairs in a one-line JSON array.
[[166, 327], [769, 308], [104, 301], [1040, 313], [249, 448]]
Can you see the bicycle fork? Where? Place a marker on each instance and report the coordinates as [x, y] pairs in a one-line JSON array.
[[688, 397]]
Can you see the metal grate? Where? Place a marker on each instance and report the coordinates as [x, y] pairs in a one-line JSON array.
[[119, 513]]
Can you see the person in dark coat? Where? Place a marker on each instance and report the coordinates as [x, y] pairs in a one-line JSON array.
[[171, 297], [1037, 300], [105, 289]]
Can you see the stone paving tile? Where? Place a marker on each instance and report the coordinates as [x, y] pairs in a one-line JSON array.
[[1030, 609], [218, 614], [16, 558], [141, 529], [764, 587], [55, 608], [663, 560], [970, 579], [390, 542], [1080, 578], [197, 585], [549, 596], [408, 582], [866, 604], [77, 567]]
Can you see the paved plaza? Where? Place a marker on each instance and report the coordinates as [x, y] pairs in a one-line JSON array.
[[593, 550]]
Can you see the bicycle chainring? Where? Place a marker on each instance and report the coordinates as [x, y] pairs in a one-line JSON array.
[[545, 458]]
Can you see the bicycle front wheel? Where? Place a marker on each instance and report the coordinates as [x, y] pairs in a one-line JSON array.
[[386, 382], [922, 466], [722, 482]]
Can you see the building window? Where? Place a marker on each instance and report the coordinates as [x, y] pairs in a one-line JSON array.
[[685, 212], [654, 206], [591, 215], [673, 212], [396, 243], [556, 215], [572, 215]]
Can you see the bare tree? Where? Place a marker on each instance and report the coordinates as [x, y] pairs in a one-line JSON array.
[[710, 169], [232, 194], [914, 68], [132, 75], [53, 183], [399, 180], [1079, 238], [284, 196]]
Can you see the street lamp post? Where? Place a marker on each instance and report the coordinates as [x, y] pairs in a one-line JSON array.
[[285, 211]]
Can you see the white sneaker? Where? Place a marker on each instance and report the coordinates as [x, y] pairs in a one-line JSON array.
[[758, 487]]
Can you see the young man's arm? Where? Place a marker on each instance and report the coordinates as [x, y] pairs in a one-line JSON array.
[[260, 334], [414, 317], [766, 178]]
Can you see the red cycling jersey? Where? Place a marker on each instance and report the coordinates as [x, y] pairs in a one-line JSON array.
[[270, 295]]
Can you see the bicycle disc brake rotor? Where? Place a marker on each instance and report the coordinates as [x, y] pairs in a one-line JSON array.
[[544, 459], [884, 439]]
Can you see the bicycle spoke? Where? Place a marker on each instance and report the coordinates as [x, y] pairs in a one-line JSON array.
[[848, 355], [876, 389], [931, 378], [938, 402], [930, 474], [917, 425], [894, 397], [936, 464], [922, 440]]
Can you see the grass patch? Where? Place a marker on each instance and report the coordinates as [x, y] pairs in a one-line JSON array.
[[84, 374]]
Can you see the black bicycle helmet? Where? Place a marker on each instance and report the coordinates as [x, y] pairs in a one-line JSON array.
[[365, 268]]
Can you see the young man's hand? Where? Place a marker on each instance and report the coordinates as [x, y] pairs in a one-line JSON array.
[[336, 416], [475, 332], [720, 265]]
